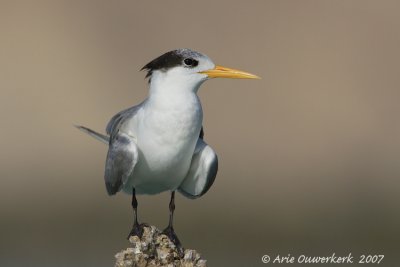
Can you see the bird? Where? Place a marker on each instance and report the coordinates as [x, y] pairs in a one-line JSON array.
[[158, 145]]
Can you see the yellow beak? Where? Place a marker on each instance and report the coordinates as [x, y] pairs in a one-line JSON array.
[[223, 72]]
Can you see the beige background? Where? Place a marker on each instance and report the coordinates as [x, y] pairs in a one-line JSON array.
[[309, 155]]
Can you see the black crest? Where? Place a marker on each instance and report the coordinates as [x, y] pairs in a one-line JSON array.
[[166, 61], [169, 60]]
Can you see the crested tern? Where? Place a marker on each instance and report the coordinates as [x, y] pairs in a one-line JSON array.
[[158, 145]]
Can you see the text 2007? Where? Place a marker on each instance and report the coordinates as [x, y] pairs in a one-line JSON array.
[[371, 259]]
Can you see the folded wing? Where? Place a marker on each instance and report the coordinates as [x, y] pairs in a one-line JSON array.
[[202, 172], [122, 157]]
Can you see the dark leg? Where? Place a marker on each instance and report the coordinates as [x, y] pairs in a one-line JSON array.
[[169, 231], [171, 209], [137, 228]]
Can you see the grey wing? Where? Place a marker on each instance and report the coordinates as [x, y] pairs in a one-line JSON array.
[[122, 153], [114, 124], [101, 137], [121, 159], [202, 172]]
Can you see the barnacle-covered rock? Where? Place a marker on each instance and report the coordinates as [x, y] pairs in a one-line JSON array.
[[155, 249]]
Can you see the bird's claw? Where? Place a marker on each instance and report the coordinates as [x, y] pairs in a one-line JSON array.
[[137, 230], [170, 233]]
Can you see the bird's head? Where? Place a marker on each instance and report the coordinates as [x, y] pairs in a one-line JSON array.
[[189, 69]]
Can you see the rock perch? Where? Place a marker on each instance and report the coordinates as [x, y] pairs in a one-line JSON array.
[[155, 249]]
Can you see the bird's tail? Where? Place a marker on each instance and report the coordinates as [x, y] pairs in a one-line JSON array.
[[101, 137]]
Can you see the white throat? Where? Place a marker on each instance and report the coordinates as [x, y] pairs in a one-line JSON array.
[[173, 109]]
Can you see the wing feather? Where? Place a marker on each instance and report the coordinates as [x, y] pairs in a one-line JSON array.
[[202, 172], [114, 124], [121, 159]]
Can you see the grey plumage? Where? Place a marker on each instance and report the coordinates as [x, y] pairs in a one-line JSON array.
[[101, 137], [114, 124], [122, 157]]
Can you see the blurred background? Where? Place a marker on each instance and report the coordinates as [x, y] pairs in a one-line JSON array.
[[309, 155]]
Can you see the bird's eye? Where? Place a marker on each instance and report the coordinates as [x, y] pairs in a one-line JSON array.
[[190, 62]]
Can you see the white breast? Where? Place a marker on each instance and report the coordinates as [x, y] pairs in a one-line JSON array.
[[167, 131]]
